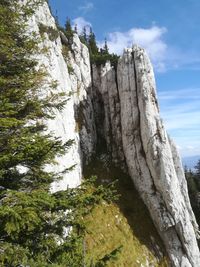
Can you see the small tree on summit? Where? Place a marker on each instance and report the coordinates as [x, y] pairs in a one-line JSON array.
[[76, 29], [83, 36], [105, 48], [68, 29], [92, 43]]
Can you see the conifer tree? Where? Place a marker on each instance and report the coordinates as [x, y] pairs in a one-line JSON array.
[[83, 36], [76, 29], [105, 48], [68, 29], [85, 33], [24, 148], [32, 220], [92, 43]]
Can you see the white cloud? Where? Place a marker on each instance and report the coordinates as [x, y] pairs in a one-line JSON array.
[[80, 22], [151, 39], [163, 56], [88, 6]]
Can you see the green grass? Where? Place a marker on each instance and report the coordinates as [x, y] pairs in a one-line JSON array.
[[125, 222]]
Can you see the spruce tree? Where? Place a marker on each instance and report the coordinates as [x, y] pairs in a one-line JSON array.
[[83, 36], [32, 219], [34, 224], [25, 149], [76, 29], [68, 30], [105, 48], [92, 43]]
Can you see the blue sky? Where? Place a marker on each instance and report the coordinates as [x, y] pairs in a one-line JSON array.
[[170, 32]]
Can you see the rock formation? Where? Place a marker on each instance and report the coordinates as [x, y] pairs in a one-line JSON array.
[[73, 77], [151, 157], [121, 108]]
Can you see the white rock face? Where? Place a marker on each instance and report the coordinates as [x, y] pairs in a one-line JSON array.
[[132, 126], [156, 170], [74, 79], [122, 108], [107, 110]]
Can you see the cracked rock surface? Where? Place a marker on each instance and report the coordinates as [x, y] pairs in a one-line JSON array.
[[72, 73], [121, 107], [149, 154], [157, 163]]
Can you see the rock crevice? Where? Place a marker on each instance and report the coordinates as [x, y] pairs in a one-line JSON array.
[[120, 107], [151, 158]]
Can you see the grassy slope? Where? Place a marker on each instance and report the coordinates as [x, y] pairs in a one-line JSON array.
[[125, 223]]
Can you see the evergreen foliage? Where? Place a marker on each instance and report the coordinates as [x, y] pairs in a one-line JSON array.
[[93, 49], [197, 168], [98, 56], [68, 29], [193, 181], [37, 228], [83, 36], [52, 33], [76, 29], [105, 48], [66, 35]]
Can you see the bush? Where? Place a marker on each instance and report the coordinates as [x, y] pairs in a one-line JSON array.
[[101, 59], [53, 34]]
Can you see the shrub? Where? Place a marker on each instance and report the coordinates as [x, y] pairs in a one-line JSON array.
[[53, 34]]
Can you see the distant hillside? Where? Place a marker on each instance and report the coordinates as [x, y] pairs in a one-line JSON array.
[[190, 162]]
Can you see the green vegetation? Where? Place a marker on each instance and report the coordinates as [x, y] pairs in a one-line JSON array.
[[68, 30], [33, 221], [65, 51], [53, 34], [193, 181], [98, 56], [70, 69], [66, 37], [123, 225], [97, 224]]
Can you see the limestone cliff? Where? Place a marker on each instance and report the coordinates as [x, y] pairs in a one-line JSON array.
[[133, 128], [121, 108], [72, 74]]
